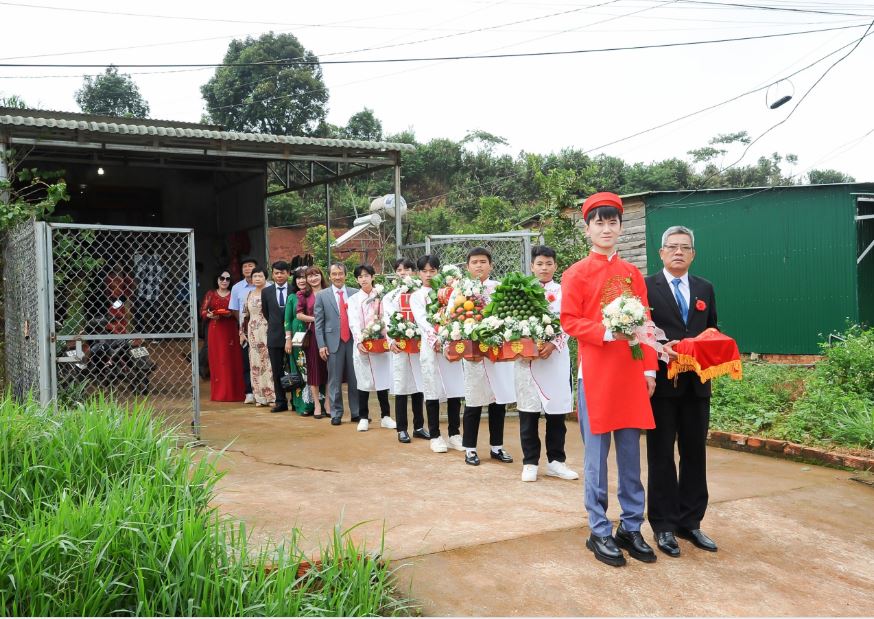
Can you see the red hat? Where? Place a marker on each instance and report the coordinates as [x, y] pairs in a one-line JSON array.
[[602, 198]]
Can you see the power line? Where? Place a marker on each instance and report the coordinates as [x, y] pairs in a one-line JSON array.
[[766, 7], [435, 58]]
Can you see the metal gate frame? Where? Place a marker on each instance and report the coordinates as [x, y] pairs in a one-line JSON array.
[[523, 237], [46, 328]]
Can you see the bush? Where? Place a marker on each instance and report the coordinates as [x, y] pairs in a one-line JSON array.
[[102, 514]]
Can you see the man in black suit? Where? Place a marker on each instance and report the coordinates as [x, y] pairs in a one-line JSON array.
[[684, 306], [273, 300]]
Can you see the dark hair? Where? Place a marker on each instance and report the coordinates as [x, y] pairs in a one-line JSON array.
[[542, 250], [245, 260], [404, 262], [361, 268], [314, 270], [479, 251], [260, 270], [339, 265], [280, 265], [428, 260], [298, 272], [604, 213]]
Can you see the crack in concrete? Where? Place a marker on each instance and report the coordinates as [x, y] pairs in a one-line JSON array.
[[293, 466]]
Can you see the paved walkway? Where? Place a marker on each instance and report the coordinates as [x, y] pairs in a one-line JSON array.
[[794, 539]]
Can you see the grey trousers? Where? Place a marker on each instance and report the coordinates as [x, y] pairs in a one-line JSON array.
[[631, 494], [339, 366]]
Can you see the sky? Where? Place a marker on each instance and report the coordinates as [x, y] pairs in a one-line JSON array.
[[538, 104]]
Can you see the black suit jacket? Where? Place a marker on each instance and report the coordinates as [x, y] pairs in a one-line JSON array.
[[666, 315], [275, 315]]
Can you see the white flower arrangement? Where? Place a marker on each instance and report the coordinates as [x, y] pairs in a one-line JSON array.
[[373, 330], [408, 284], [626, 314]]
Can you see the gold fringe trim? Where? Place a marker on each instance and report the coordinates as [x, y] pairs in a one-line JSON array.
[[688, 363]]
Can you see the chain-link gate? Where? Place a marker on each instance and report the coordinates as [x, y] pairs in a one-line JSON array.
[[118, 314], [26, 311], [511, 251]]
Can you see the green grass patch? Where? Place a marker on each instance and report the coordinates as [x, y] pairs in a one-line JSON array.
[[103, 513], [831, 404]]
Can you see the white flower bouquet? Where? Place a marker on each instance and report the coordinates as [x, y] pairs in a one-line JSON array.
[[626, 315]]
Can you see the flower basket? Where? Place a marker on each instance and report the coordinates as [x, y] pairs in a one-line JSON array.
[[525, 348], [465, 349], [375, 347], [409, 346]]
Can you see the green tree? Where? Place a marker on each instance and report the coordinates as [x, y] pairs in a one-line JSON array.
[[364, 126], [822, 177], [111, 94], [13, 101], [283, 99]]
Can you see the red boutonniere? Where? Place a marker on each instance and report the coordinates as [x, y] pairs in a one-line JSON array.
[[700, 305], [550, 297]]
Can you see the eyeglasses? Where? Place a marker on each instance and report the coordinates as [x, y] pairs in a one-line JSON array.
[[683, 248], [222, 278]]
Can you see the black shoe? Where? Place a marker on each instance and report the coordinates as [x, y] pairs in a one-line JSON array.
[[356, 419], [421, 433], [501, 455], [633, 542], [336, 421], [667, 543], [605, 550], [279, 408], [403, 437], [471, 459], [698, 539]]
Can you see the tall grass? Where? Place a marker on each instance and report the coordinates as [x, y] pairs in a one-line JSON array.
[[101, 513]]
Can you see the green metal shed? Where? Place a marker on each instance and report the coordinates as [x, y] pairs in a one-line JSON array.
[[790, 264]]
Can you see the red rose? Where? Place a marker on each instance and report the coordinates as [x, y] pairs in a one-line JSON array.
[[700, 305]]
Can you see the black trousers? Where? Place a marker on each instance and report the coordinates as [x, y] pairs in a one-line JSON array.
[[453, 412], [677, 501], [401, 412], [472, 416], [381, 396], [277, 364], [530, 437], [247, 370]]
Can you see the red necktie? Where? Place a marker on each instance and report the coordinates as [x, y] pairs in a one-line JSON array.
[[345, 333]]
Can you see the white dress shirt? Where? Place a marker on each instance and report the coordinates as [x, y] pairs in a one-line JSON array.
[[684, 285]]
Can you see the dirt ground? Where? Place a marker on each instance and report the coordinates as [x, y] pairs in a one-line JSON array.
[[794, 539]]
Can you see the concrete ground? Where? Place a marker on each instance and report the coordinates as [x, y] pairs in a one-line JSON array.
[[793, 539]]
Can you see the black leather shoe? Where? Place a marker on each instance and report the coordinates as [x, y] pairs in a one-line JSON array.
[[471, 459], [336, 421], [605, 550], [403, 437], [698, 539], [421, 433], [501, 455], [279, 408], [633, 542], [667, 543]]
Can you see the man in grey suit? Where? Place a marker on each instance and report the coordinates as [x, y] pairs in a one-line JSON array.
[[335, 341]]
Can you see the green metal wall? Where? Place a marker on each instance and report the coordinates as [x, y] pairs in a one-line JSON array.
[[865, 230], [782, 260]]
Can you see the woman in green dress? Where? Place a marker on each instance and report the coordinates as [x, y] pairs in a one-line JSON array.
[[301, 398]]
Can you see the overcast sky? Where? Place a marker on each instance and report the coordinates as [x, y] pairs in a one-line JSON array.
[[539, 104]]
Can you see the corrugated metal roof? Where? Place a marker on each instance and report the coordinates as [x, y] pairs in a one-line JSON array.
[[130, 126]]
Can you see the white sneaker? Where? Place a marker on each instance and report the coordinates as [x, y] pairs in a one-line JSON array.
[[363, 425], [387, 422], [438, 445], [560, 469], [529, 472], [455, 442], [250, 399]]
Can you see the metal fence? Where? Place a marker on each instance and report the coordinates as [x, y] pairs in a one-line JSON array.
[[511, 251], [122, 312]]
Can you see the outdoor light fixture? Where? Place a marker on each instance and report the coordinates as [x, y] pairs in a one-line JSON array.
[[100, 172], [779, 98], [359, 226]]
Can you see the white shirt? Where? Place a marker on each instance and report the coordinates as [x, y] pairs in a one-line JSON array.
[[239, 292], [684, 285]]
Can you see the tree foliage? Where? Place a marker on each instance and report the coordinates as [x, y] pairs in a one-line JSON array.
[[822, 177], [13, 101], [111, 94], [283, 99]]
